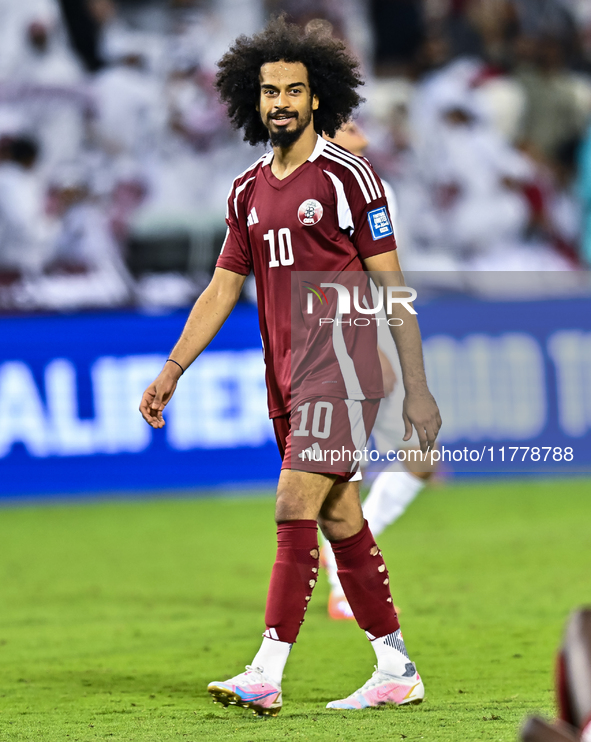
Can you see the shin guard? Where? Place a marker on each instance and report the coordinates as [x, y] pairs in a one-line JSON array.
[[294, 575], [364, 577]]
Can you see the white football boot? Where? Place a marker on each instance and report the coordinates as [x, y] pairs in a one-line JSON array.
[[251, 690], [383, 688]]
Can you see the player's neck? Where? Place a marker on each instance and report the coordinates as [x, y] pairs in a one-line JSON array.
[[286, 160]]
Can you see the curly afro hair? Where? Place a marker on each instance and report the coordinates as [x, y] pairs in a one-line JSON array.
[[333, 76]]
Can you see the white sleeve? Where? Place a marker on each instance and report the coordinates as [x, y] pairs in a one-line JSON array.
[[392, 203]]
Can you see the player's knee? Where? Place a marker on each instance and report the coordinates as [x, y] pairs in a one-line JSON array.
[[330, 529], [337, 530], [289, 506]]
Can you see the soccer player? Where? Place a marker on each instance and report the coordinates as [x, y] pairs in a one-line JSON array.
[[538, 730], [309, 205], [573, 685], [574, 673], [394, 489]]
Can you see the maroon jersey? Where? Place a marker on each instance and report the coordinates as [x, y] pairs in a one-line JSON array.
[[327, 216]]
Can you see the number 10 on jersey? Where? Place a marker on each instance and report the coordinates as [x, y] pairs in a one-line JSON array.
[[285, 247]]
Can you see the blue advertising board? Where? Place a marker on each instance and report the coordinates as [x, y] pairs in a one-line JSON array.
[[70, 387], [510, 376], [506, 375]]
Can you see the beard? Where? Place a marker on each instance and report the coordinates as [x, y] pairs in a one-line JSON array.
[[282, 138]]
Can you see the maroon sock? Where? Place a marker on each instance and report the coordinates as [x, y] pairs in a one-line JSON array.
[[293, 578], [365, 580]]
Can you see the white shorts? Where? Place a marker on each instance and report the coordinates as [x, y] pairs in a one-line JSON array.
[[388, 430]]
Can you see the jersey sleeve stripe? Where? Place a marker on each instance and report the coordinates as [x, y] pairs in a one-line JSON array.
[[239, 191], [330, 156], [372, 175], [343, 209], [362, 166]]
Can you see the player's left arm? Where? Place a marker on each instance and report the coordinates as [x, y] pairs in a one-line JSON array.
[[419, 408]]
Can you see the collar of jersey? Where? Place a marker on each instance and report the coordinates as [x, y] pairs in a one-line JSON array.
[[278, 184]]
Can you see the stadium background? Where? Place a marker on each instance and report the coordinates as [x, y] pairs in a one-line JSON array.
[[115, 163]]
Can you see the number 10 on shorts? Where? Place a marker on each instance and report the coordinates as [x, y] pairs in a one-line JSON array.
[[317, 419]]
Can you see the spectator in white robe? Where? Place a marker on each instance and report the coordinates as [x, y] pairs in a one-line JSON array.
[[25, 229], [468, 174], [47, 83], [15, 18], [130, 115], [86, 266]]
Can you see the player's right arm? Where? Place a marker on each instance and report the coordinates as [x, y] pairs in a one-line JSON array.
[[210, 312]]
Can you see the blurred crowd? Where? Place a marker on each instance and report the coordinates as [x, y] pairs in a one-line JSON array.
[[480, 123], [116, 157]]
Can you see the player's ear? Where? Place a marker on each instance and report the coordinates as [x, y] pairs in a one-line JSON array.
[[315, 102]]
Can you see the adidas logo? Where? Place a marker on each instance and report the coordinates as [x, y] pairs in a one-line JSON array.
[[252, 218]]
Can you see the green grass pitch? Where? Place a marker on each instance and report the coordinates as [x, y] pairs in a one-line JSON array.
[[114, 616]]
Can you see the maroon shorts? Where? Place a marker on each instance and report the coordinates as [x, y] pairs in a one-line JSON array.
[[326, 435]]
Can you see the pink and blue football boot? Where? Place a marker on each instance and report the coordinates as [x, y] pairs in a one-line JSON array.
[[383, 688], [250, 690]]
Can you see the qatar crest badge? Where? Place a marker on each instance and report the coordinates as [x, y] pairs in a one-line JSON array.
[[310, 212]]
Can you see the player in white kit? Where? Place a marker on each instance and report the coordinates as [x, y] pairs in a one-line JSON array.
[[395, 488]]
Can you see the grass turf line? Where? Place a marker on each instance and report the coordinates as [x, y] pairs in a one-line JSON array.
[[115, 616]]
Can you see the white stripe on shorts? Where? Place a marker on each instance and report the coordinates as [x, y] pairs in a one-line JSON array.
[[358, 434]]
